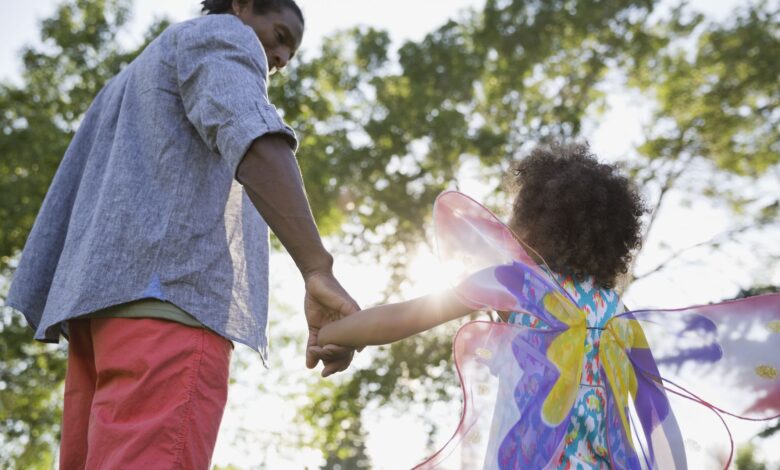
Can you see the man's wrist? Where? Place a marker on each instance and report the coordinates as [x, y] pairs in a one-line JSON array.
[[322, 263]]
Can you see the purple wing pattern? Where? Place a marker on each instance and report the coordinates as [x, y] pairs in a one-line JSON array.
[[737, 342], [513, 357]]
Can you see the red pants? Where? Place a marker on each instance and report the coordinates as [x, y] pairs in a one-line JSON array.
[[142, 394]]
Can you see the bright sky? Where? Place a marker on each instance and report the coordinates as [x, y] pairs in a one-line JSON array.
[[258, 416]]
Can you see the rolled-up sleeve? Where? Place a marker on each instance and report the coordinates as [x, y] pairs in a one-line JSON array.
[[222, 74]]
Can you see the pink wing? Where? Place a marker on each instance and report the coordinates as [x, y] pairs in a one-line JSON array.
[[712, 360], [468, 232], [505, 373], [505, 378], [737, 341]]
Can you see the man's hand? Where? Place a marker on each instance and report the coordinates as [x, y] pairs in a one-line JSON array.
[[326, 301]]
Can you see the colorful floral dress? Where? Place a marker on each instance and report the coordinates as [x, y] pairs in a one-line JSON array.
[[585, 441]]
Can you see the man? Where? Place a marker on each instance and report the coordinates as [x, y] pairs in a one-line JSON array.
[[149, 252]]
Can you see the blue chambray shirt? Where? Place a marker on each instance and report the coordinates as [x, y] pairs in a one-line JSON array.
[[145, 204]]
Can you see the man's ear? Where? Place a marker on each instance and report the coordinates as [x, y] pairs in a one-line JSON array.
[[237, 6]]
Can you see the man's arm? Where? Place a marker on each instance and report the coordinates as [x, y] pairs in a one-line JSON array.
[[272, 179]]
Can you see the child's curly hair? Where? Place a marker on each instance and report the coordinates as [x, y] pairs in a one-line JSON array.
[[581, 216]]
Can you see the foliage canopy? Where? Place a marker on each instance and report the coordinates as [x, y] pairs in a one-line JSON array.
[[383, 131]]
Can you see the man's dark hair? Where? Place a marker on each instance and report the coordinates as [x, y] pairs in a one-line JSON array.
[[259, 7], [581, 216]]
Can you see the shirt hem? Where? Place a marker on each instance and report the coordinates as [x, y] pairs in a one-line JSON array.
[[40, 332]]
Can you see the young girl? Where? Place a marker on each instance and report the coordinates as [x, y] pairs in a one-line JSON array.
[[566, 359]]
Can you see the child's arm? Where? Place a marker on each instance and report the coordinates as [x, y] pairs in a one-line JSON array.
[[385, 324]]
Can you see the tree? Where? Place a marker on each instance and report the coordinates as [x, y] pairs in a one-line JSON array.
[[381, 138], [471, 90], [39, 117], [30, 386], [378, 146], [481, 88], [717, 128], [746, 459]]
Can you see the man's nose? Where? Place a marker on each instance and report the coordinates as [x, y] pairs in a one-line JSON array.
[[281, 57]]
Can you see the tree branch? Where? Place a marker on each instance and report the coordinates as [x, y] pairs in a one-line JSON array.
[[671, 179], [716, 240]]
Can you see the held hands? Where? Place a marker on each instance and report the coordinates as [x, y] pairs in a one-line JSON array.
[[326, 301]]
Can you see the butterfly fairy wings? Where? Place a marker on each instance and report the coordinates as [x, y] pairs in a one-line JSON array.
[[520, 384]]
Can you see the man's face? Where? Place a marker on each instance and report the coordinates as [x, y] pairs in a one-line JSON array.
[[280, 32]]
